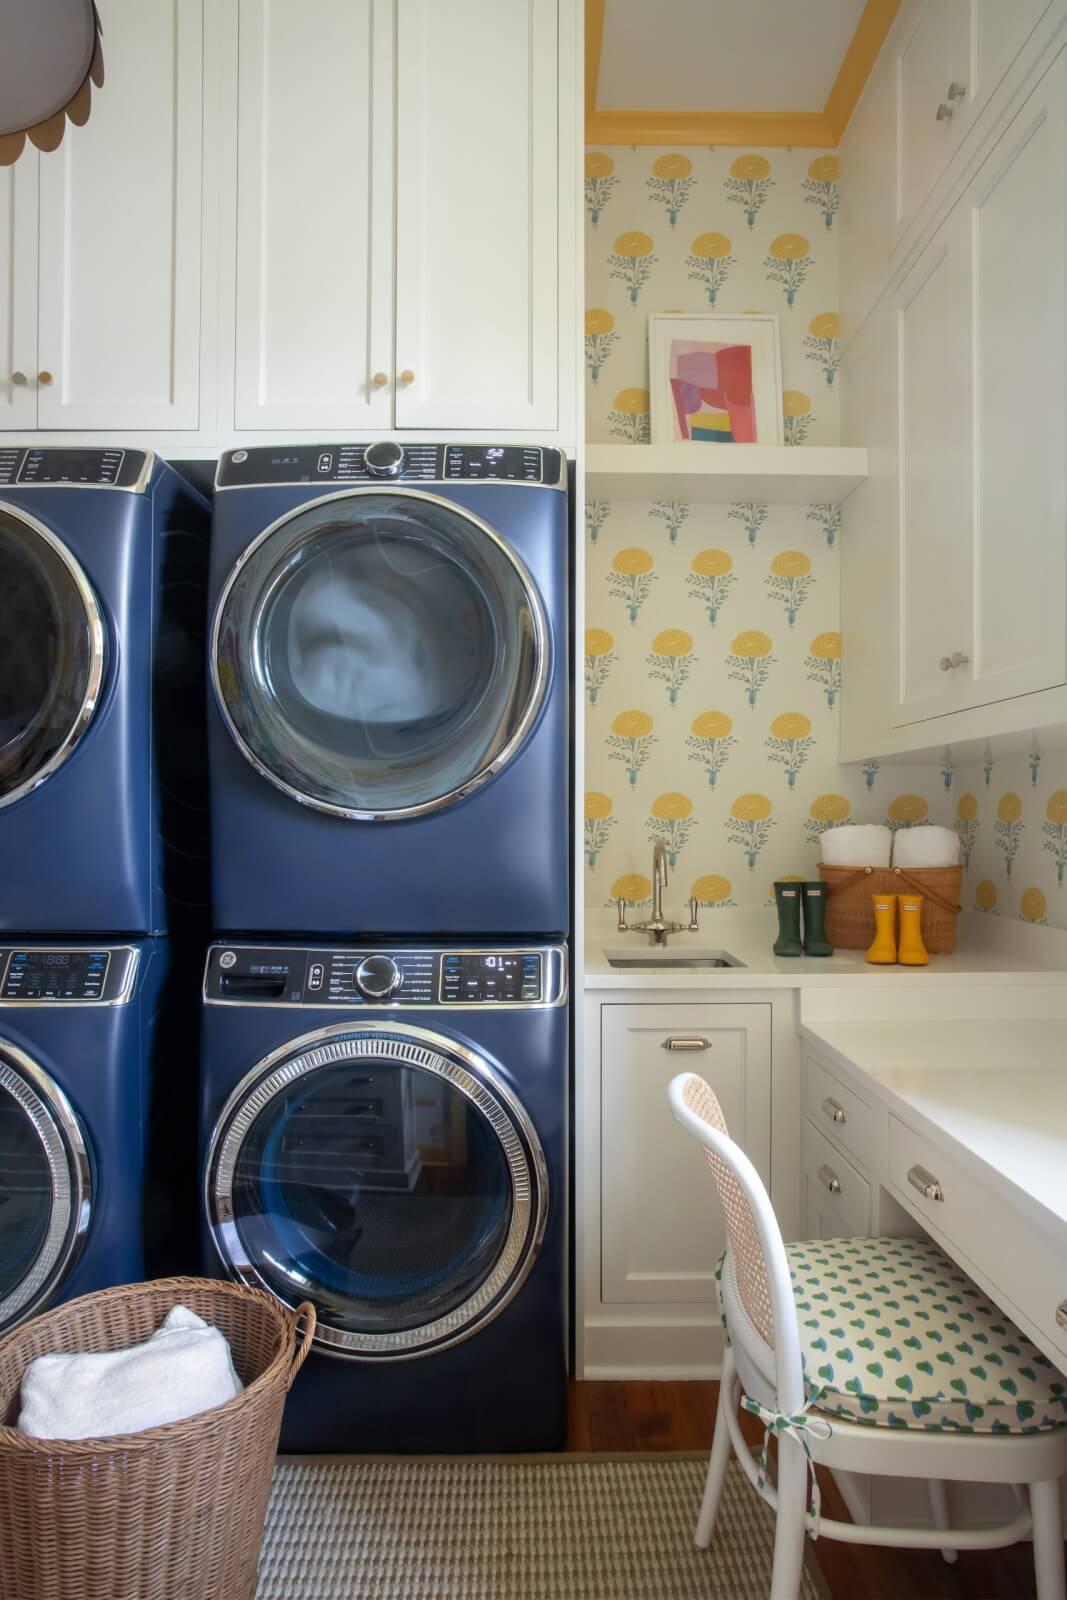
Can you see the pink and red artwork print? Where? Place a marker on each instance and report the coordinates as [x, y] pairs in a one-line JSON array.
[[711, 391]]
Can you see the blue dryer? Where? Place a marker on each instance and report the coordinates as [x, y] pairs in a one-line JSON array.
[[384, 1134], [389, 727], [76, 1038], [86, 537]]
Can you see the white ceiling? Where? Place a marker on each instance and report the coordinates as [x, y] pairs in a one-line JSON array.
[[723, 55]]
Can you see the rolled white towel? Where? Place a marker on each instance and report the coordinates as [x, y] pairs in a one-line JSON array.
[[856, 845], [185, 1367], [926, 846]]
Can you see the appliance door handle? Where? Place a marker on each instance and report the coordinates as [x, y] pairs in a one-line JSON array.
[[676, 1043]]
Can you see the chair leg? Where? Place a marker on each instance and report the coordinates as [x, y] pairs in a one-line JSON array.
[[720, 1454], [791, 1530], [939, 1507], [1047, 1512]]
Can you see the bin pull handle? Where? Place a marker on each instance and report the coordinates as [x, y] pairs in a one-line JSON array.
[[304, 1328]]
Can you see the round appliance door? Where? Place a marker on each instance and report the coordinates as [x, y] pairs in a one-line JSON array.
[[45, 1186], [52, 654], [385, 1173], [379, 654]]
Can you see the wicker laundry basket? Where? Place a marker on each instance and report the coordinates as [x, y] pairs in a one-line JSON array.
[[850, 916], [173, 1513]]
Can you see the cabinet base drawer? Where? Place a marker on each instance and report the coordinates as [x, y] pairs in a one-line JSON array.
[[1021, 1265], [840, 1113], [837, 1198]]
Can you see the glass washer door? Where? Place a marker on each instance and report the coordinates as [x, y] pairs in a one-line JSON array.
[[385, 1173], [45, 1186], [52, 654], [379, 654]]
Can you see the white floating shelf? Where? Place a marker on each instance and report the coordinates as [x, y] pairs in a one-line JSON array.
[[777, 474]]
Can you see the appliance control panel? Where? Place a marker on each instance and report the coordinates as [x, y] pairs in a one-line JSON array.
[[65, 975], [366, 976], [101, 469], [386, 461]]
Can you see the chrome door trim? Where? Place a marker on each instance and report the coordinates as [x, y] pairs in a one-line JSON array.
[[97, 652], [542, 658], [52, 1115], [125, 994], [466, 1071], [139, 486]]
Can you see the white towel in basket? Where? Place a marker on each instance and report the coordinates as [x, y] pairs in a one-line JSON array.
[[856, 845], [928, 846], [183, 1368]]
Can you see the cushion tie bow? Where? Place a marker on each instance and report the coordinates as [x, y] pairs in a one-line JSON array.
[[799, 1426]]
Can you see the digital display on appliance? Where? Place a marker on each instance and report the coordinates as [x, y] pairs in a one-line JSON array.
[[71, 466], [55, 975], [504, 976]]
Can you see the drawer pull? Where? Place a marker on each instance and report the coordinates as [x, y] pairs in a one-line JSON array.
[[828, 1177], [687, 1044], [1061, 1313], [926, 1183], [835, 1112]]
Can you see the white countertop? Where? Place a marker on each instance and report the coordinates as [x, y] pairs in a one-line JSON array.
[[993, 1090], [990, 951]]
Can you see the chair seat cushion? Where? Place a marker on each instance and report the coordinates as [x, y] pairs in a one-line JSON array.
[[894, 1333]]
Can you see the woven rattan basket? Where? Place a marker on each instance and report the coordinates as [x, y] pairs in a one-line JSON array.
[[850, 916], [173, 1513]]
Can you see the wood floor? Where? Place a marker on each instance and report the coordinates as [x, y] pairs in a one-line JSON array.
[[679, 1416]]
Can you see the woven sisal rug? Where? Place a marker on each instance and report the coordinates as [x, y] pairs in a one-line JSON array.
[[564, 1528]]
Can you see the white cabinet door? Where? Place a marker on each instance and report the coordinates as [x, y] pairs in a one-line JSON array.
[[662, 1229], [119, 288], [837, 1197], [18, 293], [314, 214], [936, 476], [1016, 216], [477, 229], [925, 65]]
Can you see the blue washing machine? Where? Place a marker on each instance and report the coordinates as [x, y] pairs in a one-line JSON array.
[[76, 1039], [384, 1134], [389, 725], [87, 539]]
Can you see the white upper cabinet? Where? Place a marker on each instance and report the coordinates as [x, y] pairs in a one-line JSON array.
[[314, 299], [18, 293], [477, 257], [119, 280]]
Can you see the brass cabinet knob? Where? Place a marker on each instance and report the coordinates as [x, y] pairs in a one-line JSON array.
[[44, 378], [379, 380], [18, 379], [407, 376]]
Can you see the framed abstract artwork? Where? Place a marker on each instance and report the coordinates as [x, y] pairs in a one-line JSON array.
[[715, 379]]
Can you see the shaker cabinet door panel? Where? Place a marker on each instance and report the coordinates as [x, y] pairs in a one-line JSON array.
[[477, 254], [314, 214], [18, 293], [662, 1229], [120, 233]]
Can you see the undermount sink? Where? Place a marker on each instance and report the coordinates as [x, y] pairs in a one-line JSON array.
[[652, 960]]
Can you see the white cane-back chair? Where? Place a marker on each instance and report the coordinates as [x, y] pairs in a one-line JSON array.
[[873, 1356]]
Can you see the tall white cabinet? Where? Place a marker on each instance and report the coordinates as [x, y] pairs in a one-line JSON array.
[[954, 555], [100, 266]]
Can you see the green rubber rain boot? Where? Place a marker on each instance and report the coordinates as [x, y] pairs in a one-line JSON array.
[[815, 941], [787, 899]]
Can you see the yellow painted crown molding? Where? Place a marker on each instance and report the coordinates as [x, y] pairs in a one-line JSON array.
[[806, 129]]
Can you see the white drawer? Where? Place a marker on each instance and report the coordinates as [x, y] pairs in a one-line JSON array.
[[1022, 1268], [837, 1198], [840, 1113]]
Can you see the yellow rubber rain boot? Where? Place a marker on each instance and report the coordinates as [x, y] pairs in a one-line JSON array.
[[912, 951], [883, 951]]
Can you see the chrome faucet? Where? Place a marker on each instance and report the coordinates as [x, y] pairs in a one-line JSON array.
[[657, 929]]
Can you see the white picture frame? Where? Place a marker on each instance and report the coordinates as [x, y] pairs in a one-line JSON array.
[[759, 332]]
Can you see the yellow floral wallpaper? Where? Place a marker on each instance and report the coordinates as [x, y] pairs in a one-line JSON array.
[[1011, 817], [701, 230]]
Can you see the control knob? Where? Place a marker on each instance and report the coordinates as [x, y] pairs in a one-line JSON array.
[[385, 459], [377, 977]]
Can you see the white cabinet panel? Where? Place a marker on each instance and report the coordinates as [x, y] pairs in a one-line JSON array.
[[926, 67], [662, 1230], [18, 292], [120, 228], [936, 471], [1018, 224], [314, 214], [477, 265]]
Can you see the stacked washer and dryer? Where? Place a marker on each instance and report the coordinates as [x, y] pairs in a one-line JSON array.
[[90, 541], [385, 1045]]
